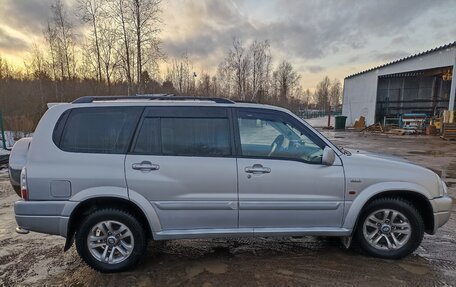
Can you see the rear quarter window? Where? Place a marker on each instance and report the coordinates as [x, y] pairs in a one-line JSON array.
[[97, 130]]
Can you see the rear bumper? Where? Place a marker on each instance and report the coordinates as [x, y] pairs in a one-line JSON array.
[[49, 217], [442, 211], [56, 225]]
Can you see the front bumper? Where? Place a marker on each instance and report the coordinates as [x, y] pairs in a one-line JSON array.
[[442, 207]]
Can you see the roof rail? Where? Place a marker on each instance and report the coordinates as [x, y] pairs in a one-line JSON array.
[[160, 97]]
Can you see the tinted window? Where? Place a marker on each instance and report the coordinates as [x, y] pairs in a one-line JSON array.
[[195, 136], [275, 138], [148, 140], [99, 130]]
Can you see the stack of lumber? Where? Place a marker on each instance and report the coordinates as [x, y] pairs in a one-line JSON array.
[[375, 128], [397, 132], [449, 131]]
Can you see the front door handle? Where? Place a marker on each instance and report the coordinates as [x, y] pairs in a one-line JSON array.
[[257, 169], [145, 166]]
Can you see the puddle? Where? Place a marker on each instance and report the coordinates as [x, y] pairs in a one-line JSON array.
[[414, 268], [211, 266]]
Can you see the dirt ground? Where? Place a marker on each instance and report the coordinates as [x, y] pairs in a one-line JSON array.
[[38, 260]]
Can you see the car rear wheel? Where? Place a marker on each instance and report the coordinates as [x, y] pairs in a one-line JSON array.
[[111, 240], [390, 228]]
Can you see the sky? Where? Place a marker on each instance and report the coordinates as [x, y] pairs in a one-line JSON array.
[[333, 38]]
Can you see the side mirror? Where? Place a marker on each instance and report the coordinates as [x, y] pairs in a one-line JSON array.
[[329, 156]]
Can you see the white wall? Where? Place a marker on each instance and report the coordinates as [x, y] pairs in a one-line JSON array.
[[360, 92]]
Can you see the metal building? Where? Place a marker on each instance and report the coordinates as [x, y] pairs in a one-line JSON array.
[[420, 83]]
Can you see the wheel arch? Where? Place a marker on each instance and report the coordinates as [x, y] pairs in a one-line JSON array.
[[415, 195], [89, 205]]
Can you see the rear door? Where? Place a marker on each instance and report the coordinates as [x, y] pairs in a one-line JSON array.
[[182, 161]]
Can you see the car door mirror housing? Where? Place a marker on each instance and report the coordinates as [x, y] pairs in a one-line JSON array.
[[329, 156]]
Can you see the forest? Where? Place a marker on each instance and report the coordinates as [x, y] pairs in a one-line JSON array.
[[121, 53]]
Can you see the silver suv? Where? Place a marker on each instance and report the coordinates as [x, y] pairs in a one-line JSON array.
[[111, 173]]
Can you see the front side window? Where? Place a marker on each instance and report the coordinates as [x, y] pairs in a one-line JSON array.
[[270, 137], [99, 130]]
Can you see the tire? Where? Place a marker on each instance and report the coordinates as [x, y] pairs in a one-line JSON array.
[[115, 230], [395, 239]]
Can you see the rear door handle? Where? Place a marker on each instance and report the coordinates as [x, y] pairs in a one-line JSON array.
[[145, 166], [257, 169]]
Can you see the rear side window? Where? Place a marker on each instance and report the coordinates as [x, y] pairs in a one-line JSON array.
[[148, 141], [182, 136], [195, 136], [99, 130]]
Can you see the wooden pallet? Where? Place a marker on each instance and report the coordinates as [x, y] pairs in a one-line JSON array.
[[449, 131]]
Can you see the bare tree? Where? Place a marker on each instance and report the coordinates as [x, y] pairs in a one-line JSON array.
[[286, 81], [308, 96], [90, 12], [224, 76], [49, 35], [239, 62], [322, 93], [120, 13], [64, 39], [36, 63], [261, 64], [180, 74], [146, 19], [109, 57], [204, 86], [335, 92]]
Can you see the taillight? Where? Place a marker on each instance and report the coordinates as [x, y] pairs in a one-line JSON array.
[[24, 191]]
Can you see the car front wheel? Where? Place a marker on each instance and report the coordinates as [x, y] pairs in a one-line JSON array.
[[111, 240], [390, 228]]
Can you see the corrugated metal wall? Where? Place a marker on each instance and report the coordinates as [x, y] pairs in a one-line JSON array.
[[360, 91]]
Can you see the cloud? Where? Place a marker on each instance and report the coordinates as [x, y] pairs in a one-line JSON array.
[[315, 69], [11, 43], [315, 36], [306, 29], [32, 16], [26, 16], [389, 56]]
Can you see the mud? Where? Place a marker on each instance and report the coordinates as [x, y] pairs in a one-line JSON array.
[[38, 260]]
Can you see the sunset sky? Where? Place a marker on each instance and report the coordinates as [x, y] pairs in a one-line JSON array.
[[334, 38]]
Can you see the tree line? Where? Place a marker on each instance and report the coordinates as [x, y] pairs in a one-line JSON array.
[[120, 55]]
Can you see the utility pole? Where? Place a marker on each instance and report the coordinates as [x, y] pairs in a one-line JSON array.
[[329, 114]]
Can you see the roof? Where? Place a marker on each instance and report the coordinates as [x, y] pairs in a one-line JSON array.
[[443, 47], [152, 97], [161, 100]]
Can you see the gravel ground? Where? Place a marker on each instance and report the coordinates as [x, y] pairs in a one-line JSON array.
[[38, 260]]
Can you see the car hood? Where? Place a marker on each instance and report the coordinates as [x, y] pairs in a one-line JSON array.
[[379, 155], [371, 168]]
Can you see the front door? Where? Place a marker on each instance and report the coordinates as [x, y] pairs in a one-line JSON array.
[[282, 182], [182, 162]]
